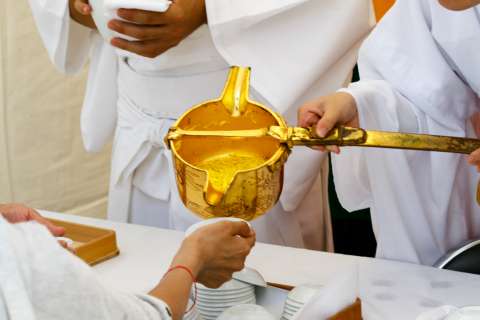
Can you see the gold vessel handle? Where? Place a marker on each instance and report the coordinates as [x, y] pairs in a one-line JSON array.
[[235, 93], [345, 136], [340, 136]]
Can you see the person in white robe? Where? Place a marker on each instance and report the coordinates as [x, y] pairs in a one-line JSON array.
[[296, 48], [419, 73], [41, 280]]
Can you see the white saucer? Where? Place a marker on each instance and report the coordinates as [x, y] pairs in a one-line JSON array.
[[246, 312]]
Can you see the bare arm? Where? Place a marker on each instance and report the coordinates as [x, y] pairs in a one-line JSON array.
[[80, 11], [212, 254]]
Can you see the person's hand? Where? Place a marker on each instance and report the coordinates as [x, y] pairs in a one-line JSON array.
[[474, 159], [82, 6], [216, 251], [157, 32], [16, 213], [81, 12], [326, 112]]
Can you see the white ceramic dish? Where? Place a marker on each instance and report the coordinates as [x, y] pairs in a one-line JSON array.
[[207, 222], [221, 307], [220, 300], [193, 314], [246, 312], [294, 303], [302, 294], [232, 285], [214, 297], [101, 18], [224, 293], [251, 276], [291, 309], [104, 11]]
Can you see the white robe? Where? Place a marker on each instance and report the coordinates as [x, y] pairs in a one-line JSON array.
[[40, 280], [296, 48], [420, 72]]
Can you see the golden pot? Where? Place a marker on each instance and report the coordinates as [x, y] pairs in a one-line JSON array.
[[229, 153], [247, 193]]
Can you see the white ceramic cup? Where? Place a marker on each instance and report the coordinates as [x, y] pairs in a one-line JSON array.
[[104, 11], [101, 18], [207, 222]]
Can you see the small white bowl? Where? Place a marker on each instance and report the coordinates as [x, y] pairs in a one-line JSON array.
[[105, 10], [99, 15]]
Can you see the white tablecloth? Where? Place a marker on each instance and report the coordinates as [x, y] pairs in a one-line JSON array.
[[389, 290]]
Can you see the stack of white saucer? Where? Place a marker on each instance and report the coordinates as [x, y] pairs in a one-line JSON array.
[[193, 313], [296, 299], [212, 302]]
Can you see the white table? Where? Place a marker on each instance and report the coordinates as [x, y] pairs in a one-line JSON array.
[[389, 290]]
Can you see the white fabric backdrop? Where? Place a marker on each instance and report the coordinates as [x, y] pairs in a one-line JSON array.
[[42, 160]]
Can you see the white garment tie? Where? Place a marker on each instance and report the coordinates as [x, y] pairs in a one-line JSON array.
[[139, 136]]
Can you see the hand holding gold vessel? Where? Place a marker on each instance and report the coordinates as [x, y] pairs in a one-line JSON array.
[[229, 153]]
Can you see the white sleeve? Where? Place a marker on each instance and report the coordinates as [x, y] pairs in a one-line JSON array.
[[380, 107], [67, 42], [59, 285]]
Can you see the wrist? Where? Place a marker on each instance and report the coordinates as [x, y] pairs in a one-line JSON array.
[[190, 259]]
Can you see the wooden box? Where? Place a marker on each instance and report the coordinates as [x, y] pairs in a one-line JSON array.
[[93, 245]]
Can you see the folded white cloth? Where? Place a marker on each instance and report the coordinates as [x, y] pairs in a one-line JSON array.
[[106, 10], [337, 295]]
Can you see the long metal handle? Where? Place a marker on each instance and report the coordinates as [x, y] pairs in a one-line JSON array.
[[345, 136]]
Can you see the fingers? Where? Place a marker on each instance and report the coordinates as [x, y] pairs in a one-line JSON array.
[[214, 278], [140, 32], [327, 122], [174, 13], [474, 159], [319, 115], [149, 48], [55, 230], [307, 118], [83, 7], [240, 228], [309, 115]]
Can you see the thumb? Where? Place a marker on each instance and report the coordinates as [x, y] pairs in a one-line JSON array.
[[241, 228], [327, 122]]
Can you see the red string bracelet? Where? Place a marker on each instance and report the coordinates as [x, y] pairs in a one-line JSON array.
[[193, 280]]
